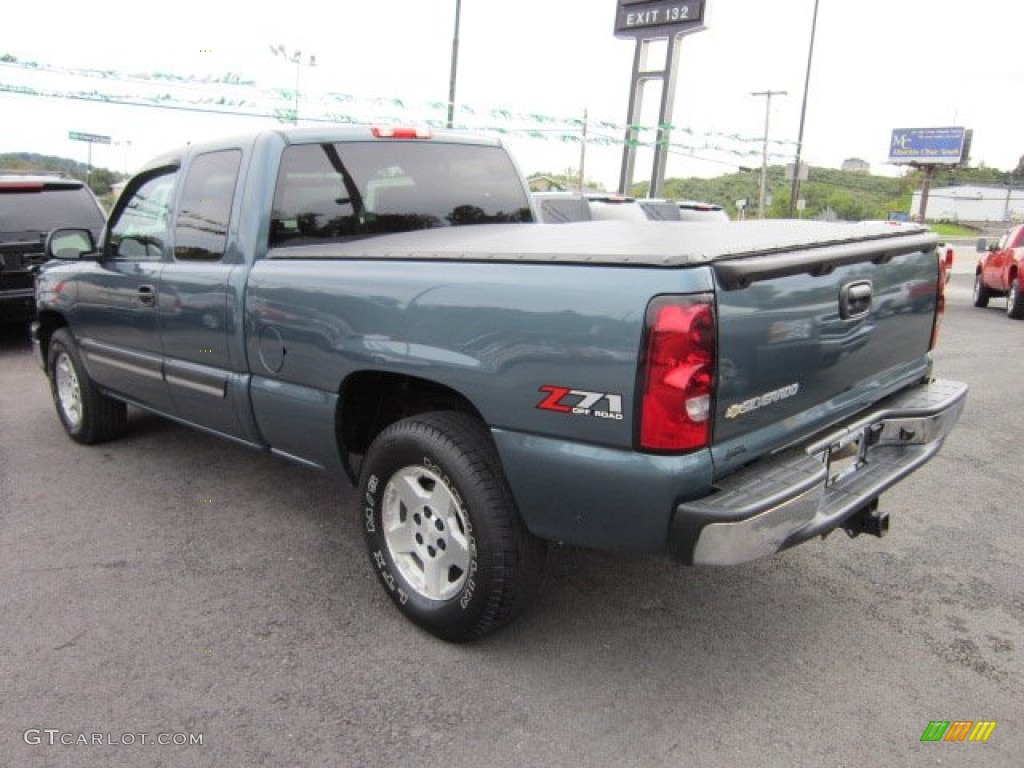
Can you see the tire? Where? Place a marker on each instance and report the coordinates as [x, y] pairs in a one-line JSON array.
[[442, 529], [1015, 300], [88, 415], [981, 292]]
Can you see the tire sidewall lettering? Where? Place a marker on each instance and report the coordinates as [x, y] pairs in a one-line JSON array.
[[381, 556], [465, 597], [445, 462]]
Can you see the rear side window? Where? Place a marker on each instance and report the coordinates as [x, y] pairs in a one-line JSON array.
[[43, 207], [357, 189], [201, 229]]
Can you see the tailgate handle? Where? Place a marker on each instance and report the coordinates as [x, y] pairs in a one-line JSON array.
[[855, 299]]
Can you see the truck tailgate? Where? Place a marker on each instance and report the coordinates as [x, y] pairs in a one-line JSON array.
[[811, 335]]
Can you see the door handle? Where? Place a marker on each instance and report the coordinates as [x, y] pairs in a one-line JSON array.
[[855, 299], [147, 295]]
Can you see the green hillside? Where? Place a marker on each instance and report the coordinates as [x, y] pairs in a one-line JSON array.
[[100, 180], [847, 195]]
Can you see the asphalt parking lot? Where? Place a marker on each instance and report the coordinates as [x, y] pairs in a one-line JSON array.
[[171, 585]]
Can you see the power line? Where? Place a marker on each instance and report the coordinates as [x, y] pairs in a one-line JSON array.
[[235, 90]]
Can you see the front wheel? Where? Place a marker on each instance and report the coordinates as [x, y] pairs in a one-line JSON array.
[[1015, 300], [981, 292], [442, 529], [88, 415]]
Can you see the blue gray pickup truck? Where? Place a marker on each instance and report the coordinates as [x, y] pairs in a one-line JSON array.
[[380, 303]]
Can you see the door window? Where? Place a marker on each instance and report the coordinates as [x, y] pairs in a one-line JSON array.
[[139, 230]]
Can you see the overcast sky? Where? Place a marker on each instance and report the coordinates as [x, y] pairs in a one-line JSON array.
[[878, 65]]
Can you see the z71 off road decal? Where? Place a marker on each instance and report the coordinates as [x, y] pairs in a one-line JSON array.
[[579, 402]]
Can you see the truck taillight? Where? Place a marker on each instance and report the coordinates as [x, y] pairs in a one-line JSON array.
[[677, 374]]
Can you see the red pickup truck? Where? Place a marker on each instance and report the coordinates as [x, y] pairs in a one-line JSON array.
[[999, 272]]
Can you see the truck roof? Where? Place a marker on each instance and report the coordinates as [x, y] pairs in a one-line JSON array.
[[331, 132], [326, 133]]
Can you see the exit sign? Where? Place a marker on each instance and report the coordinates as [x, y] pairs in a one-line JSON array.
[[654, 18]]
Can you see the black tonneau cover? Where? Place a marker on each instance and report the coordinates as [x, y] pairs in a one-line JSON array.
[[788, 247]]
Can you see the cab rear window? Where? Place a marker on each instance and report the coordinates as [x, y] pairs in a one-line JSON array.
[[328, 192]]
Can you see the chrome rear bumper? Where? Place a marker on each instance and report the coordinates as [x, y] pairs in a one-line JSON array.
[[800, 493]]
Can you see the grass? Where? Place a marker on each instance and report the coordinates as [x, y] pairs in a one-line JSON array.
[[947, 229]]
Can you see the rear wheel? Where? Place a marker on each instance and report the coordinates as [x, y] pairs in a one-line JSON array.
[[442, 529], [1015, 300], [981, 292], [88, 416]]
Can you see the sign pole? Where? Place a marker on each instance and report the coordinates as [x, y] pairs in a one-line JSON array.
[[91, 138], [647, 21], [661, 148], [926, 187], [636, 92]]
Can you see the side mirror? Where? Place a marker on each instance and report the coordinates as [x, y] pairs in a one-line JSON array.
[[69, 244], [982, 246]]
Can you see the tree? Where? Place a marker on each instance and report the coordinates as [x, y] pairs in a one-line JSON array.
[[566, 180], [101, 180]]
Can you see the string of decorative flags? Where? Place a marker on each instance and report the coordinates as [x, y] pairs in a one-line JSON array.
[[238, 95]]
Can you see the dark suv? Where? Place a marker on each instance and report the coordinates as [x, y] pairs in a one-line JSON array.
[[30, 207]]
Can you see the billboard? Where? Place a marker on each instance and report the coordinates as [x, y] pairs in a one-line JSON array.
[[658, 18], [929, 146]]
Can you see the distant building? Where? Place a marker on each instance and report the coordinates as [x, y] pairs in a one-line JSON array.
[[973, 202], [856, 165]]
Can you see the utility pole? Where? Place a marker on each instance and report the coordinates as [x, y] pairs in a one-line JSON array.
[[583, 151], [764, 152], [296, 57], [455, 65], [794, 190]]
